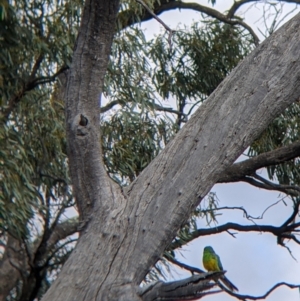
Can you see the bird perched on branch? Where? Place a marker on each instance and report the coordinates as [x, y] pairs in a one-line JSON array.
[[212, 263]]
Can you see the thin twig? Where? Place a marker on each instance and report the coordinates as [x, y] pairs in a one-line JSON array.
[[184, 266], [245, 297], [171, 31]]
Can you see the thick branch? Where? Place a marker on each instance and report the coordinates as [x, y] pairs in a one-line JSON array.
[[192, 288], [238, 171]]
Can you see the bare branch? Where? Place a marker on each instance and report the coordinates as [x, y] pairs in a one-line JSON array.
[[155, 106], [238, 171], [294, 214], [171, 5], [184, 266], [238, 4], [191, 288], [246, 214], [273, 187], [159, 20], [154, 16], [282, 232], [170, 110], [16, 98], [52, 254], [63, 230], [285, 188], [36, 66], [212, 13], [127, 17], [238, 296], [245, 297], [109, 106]]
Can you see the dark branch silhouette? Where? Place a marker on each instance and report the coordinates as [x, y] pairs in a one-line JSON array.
[[285, 231], [128, 17], [30, 85], [237, 4]]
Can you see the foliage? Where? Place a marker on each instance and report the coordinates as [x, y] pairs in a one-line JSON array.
[[283, 131], [35, 45], [131, 141], [200, 59], [143, 75], [151, 89], [148, 73], [34, 183]]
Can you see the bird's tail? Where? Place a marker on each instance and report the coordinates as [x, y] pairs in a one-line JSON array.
[[228, 283]]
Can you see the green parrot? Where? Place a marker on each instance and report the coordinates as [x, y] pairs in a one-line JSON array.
[[212, 263]]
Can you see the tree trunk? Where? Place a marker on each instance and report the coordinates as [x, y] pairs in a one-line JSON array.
[[125, 232]]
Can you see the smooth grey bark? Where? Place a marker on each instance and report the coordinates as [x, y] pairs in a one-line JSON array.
[[126, 232]]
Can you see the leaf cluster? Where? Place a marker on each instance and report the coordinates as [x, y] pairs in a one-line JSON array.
[[130, 141], [37, 38], [283, 131]]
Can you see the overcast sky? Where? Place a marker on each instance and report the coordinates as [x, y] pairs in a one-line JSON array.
[[254, 262]]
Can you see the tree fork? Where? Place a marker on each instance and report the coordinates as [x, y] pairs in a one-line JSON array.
[[126, 232]]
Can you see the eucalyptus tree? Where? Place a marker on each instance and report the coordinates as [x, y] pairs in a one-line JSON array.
[[129, 218]]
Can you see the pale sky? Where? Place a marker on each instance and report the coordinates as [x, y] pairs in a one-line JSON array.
[[254, 262]]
